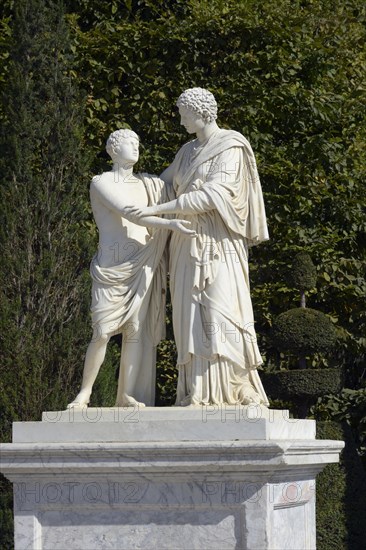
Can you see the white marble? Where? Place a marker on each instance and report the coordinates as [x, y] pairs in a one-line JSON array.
[[128, 273], [213, 188], [210, 490], [293, 516], [188, 477], [215, 180], [210, 423]]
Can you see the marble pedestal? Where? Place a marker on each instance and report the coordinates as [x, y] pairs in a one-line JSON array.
[[174, 479]]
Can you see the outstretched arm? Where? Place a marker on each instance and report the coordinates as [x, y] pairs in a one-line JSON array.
[[188, 203], [182, 226], [225, 175], [104, 194], [171, 207]]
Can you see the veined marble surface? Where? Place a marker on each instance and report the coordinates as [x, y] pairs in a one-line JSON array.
[[206, 489]]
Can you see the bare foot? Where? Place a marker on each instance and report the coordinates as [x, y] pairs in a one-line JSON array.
[[81, 400], [128, 401], [248, 395]]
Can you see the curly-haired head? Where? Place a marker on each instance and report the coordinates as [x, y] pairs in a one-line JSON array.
[[199, 101], [117, 137]]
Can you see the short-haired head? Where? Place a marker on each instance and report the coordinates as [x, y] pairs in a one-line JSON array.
[[117, 137], [199, 101]]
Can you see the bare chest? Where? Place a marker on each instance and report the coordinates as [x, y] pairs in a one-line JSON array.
[[134, 192]]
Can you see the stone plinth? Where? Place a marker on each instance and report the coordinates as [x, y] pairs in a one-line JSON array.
[[217, 478]]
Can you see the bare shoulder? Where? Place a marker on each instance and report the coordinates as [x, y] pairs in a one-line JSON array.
[[100, 180]]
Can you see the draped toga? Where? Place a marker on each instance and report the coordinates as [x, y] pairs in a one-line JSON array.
[[218, 190]]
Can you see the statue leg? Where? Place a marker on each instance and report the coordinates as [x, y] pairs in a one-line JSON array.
[[93, 361], [131, 358]]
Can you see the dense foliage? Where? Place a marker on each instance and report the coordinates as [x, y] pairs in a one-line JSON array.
[[348, 406], [304, 331], [340, 495], [300, 384], [44, 217], [289, 75]]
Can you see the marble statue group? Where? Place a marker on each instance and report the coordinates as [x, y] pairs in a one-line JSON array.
[[196, 221]]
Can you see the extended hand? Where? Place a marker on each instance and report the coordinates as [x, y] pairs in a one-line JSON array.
[[183, 226]]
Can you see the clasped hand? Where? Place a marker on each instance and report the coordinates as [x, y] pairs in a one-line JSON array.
[[136, 214]]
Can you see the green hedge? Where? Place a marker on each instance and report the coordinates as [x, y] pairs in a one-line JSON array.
[[6, 514], [285, 74], [340, 494], [304, 331], [307, 383]]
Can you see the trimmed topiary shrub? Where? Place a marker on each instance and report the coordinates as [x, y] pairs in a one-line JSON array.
[[302, 383], [304, 331], [303, 274]]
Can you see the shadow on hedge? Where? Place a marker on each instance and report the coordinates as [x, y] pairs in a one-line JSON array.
[[341, 495]]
